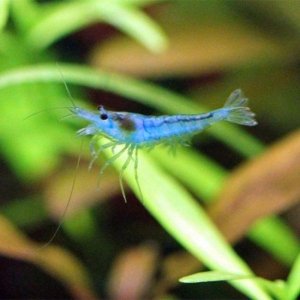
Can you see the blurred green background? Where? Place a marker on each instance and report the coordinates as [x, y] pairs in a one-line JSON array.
[[153, 57]]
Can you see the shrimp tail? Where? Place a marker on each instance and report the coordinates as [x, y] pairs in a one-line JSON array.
[[237, 109]]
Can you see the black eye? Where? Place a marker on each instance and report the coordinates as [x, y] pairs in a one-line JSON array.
[[103, 116]]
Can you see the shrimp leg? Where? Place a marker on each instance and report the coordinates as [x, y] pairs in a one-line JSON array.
[[95, 154], [136, 173], [113, 158], [125, 165], [110, 161], [93, 145]]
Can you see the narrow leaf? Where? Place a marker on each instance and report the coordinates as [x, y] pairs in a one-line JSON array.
[[212, 276], [4, 8], [136, 24], [186, 221], [263, 186], [55, 261], [65, 18], [293, 280]]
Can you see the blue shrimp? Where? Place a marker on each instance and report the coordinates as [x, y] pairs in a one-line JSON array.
[[134, 131]]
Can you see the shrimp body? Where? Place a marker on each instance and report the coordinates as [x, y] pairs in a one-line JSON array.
[[140, 130], [134, 131]]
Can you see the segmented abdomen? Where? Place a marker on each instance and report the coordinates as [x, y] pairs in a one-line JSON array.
[[159, 129]]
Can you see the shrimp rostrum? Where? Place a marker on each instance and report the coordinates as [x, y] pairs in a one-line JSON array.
[[133, 131]]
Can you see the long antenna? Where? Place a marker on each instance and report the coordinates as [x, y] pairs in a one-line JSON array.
[[56, 108], [66, 86], [44, 110], [63, 216]]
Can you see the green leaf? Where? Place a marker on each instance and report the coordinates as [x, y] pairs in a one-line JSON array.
[[212, 276], [24, 13], [205, 178], [200, 174], [25, 212], [136, 24], [4, 8], [273, 234], [64, 18], [293, 281], [186, 221], [276, 288]]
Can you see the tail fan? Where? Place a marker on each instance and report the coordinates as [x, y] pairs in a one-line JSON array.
[[238, 111]]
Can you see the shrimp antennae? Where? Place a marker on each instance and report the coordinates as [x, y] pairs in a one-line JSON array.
[[44, 110], [62, 218], [66, 86], [56, 108]]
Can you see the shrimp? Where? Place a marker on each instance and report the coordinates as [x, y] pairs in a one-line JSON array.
[[134, 131]]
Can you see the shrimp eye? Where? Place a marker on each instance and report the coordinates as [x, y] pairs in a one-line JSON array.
[[103, 116]]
